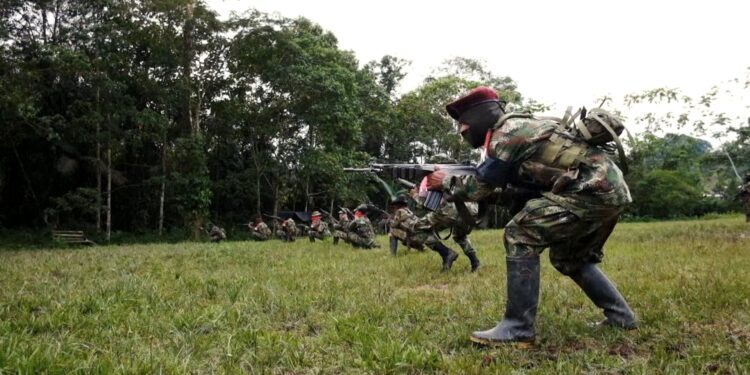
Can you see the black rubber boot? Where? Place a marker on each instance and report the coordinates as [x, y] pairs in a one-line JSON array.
[[312, 239], [469, 252], [448, 255], [474, 261], [517, 325], [394, 245], [604, 294], [335, 240]]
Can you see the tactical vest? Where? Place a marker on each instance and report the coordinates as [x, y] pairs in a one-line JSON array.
[[555, 164]]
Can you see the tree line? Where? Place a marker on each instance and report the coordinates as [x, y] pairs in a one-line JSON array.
[[156, 115]]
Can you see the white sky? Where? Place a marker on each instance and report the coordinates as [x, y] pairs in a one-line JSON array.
[[559, 52]]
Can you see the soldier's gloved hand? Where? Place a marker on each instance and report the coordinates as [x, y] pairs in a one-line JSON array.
[[435, 180]]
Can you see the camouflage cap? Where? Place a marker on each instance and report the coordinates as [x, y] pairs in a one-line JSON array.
[[316, 213]]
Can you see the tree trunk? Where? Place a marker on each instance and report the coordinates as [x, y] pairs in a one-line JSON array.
[[98, 171], [163, 184], [187, 59], [257, 193], [109, 193], [307, 192]]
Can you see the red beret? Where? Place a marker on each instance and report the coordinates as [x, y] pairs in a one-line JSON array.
[[479, 95]]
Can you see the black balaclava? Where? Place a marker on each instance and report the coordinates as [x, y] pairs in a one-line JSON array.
[[480, 119]]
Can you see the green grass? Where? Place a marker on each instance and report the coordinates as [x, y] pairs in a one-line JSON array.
[[245, 307]]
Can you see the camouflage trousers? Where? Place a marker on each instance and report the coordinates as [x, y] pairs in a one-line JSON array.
[[257, 236], [319, 235], [575, 236], [286, 237], [360, 241], [447, 217]]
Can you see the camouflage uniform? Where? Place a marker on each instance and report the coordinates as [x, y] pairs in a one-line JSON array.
[[361, 234], [260, 232], [340, 229], [407, 228], [217, 234], [288, 230], [574, 222], [583, 193], [745, 197], [319, 230]]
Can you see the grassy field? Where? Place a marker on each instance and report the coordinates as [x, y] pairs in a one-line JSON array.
[[245, 307]]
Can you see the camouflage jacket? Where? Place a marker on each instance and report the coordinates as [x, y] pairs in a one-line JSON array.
[[342, 225], [289, 226], [217, 233], [261, 228], [404, 222], [361, 227], [520, 142], [320, 227]]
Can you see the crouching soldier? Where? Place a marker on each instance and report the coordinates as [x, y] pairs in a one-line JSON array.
[[288, 230], [402, 223], [216, 233], [359, 230], [341, 227], [318, 227], [259, 231], [583, 193]]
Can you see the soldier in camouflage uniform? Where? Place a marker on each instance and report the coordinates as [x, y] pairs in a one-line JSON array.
[[744, 195], [288, 230], [415, 232], [340, 228], [318, 227], [217, 233], [359, 230], [259, 231], [403, 224], [583, 194]]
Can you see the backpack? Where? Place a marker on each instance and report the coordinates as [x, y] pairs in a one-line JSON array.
[[596, 127], [567, 147]]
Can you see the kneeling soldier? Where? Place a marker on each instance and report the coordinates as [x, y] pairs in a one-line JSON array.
[[259, 231], [318, 227]]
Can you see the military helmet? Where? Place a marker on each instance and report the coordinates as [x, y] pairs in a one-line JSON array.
[[594, 126]]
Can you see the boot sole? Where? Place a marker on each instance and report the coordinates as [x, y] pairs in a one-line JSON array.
[[493, 343]]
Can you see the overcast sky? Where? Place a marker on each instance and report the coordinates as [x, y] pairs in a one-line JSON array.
[[559, 52]]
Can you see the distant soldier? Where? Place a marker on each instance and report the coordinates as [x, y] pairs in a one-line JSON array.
[[318, 227], [288, 230], [359, 230], [259, 231], [217, 233], [341, 228], [402, 226], [744, 195]]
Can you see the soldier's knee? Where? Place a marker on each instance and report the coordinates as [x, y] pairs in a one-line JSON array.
[[566, 268]]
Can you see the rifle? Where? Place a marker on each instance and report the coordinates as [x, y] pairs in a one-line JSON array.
[[415, 172], [330, 217], [406, 183], [273, 217]]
